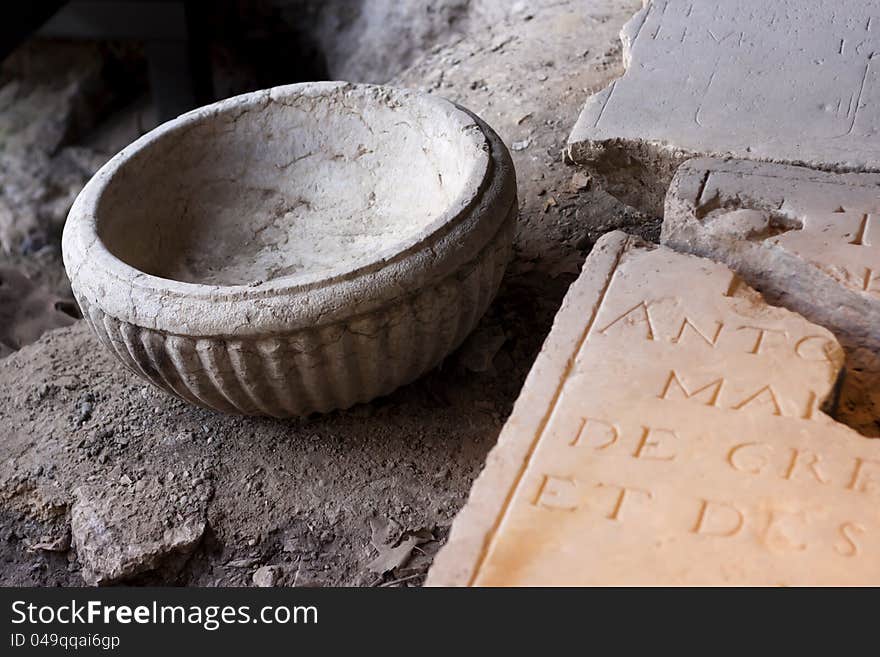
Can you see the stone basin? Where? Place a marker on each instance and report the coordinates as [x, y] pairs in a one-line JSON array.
[[297, 249]]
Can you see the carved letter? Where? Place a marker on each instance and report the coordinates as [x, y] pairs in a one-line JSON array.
[[849, 548], [811, 406], [761, 334], [649, 445], [687, 322], [866, 483], [764, 396], [597, 434], [861, 238], [718, 519], [742, 463], [635, 315], [775, 535], [810, 460], [714, 389], [814, 348], [556, 493], [622, 497], [870, 279]]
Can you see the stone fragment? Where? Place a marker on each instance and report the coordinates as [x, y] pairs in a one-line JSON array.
[[670, 432], [280, 575], [120, 531], [266, 576], [809, 240], [50, 95], [788, 81]]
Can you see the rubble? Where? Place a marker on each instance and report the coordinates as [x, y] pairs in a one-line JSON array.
[[120, 531]]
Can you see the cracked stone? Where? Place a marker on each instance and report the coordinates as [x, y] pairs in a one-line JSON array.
[[120, 531], [672, 433], [809, 240], [356, 268], [790, 81]]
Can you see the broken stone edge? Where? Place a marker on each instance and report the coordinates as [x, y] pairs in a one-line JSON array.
[[293, 349], [105, 561], [459, 561], [636, 171], [639, 171], [784, 278]]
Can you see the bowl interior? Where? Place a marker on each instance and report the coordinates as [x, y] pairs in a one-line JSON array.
[[307, 183]]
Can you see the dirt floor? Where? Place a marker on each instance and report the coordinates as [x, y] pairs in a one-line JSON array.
[[161, 492]]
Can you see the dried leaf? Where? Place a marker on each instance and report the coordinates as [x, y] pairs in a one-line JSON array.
[[384, 536], [390, 558]]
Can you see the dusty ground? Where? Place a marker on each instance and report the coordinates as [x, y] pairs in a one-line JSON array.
[[308, 501]]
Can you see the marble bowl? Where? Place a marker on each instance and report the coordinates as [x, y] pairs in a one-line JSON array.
[[294, 250]]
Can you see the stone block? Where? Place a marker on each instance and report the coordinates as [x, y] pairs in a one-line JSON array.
[[789, 81], [808, 240], [671, 431]]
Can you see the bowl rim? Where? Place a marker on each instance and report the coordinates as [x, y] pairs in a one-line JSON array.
[[223, 309]]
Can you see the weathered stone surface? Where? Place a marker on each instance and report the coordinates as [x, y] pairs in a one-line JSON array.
[[789, 81], [261, 255], [372, 40], [809, 240], [49, 95], [121, 530], [670, 432], [276, 575]]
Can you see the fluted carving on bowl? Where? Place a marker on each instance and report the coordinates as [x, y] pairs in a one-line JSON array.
[[321, 368], [197, 304]]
